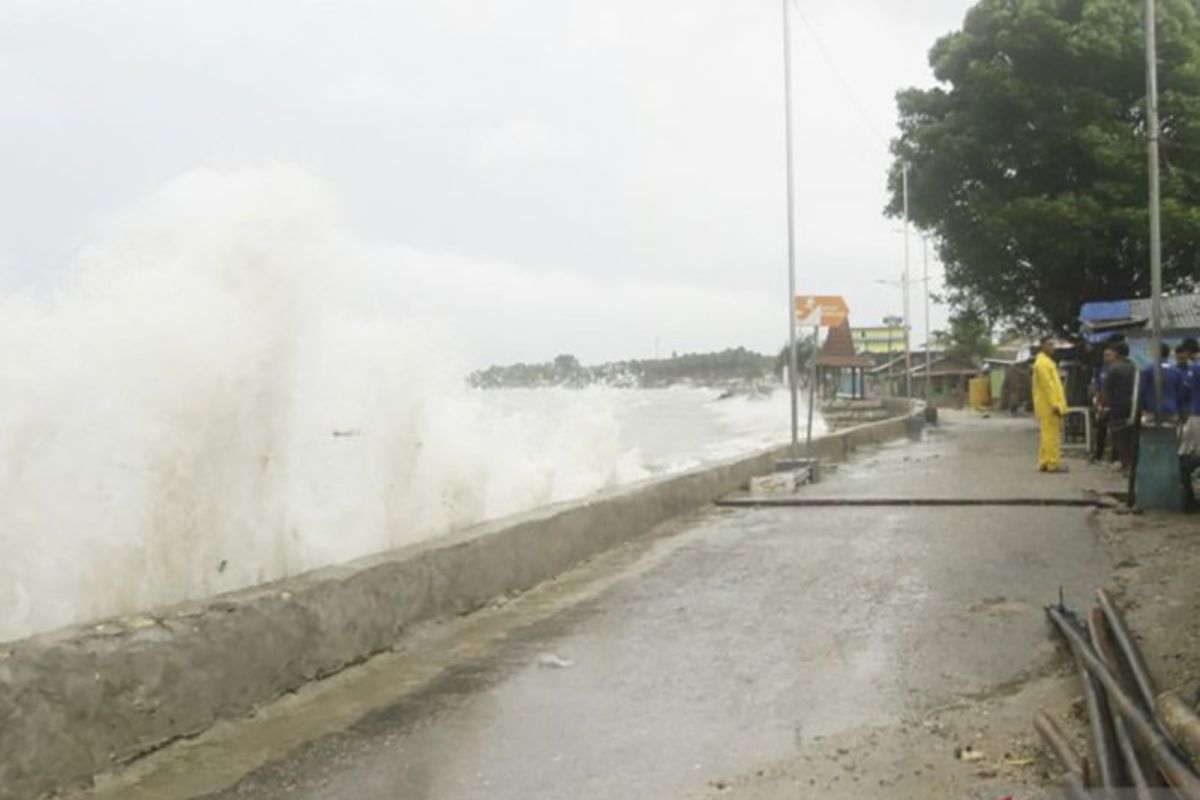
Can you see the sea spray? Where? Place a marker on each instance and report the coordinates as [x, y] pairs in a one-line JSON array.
[[226, 394]]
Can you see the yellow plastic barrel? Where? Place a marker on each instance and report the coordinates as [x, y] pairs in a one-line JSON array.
[[980, 394]]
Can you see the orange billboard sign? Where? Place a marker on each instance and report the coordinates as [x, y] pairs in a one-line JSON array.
[[828, 311]]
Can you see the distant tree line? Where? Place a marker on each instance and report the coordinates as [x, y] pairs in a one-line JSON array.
[[706, 369]]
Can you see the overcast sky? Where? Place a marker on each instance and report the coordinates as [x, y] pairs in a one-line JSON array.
[[626, 155]]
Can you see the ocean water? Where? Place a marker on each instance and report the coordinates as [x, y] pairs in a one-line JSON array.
[[655, 431], [232, 390]]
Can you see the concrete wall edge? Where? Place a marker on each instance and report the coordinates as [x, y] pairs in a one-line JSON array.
[[85, 699]]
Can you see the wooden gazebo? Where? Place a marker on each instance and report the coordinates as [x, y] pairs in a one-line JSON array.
[[841, 370]]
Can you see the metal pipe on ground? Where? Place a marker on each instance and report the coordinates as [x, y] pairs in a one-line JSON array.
[[1177, 773], [1100, 727], [1129, 651], [1076, 789], [1131, 761], [1054, 738], [1078, 779], [1182, 723]]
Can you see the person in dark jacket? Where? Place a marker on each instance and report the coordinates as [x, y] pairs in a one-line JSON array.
[[1098, 407], [1120, 378], [1107, 358]]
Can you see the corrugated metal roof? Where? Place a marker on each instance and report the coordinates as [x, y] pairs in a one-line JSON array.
[[1011, 353], [1181, 312], [948, 366], [1100, 320], [918, 356]]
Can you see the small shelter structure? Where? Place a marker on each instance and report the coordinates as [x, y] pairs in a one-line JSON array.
[[841, 371]]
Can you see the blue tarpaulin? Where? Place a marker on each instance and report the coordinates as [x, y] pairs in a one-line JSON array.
[[1106, 312], [1094, 315]]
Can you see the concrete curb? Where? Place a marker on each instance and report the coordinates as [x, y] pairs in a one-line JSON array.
[[83, 700]]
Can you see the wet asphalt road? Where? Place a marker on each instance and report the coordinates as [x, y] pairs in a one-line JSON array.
[[728, 644]]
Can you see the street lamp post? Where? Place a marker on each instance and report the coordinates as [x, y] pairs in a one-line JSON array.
[[928, 328], [1153, 131], [889, 350], [907, 316], [1156, 484], [791, 229], [928, 324], [892, 323]]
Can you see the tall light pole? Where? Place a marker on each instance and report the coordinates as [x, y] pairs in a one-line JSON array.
[[791, 228], [928, 327], [1152, 126], [904, 288], [892, 323]]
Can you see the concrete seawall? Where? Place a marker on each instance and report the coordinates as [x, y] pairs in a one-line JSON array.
[[80, 701]]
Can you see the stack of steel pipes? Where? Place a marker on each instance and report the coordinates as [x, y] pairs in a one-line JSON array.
[[1145, 745]]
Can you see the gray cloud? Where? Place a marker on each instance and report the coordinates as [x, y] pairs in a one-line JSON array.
[[611, 143]]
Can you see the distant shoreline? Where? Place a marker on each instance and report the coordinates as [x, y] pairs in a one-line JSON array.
[[728, 368]]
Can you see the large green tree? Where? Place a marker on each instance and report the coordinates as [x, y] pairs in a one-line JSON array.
[[1028, 159], [969, 337]]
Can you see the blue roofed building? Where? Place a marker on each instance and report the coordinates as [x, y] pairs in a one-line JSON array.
[[1131, 318]]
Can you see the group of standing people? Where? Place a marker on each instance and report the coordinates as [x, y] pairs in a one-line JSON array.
[[1125, 399], [1185, 373]]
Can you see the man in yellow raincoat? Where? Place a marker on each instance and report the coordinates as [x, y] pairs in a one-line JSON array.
[[1049, 405]]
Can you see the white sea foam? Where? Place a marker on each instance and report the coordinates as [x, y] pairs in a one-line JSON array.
[[232, 390]]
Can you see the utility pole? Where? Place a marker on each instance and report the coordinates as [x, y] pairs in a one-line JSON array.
[[1152, 126], [904, 288], [791, 229], [928, 327], [812, 386]]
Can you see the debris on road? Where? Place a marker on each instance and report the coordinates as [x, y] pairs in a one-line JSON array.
[[553, 661], [969, 754], [787, 480]]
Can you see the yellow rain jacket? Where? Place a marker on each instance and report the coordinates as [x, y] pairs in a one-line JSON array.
[[1048, 397], [1049, 404]]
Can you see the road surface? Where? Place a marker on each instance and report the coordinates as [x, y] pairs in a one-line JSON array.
[[721, 645]]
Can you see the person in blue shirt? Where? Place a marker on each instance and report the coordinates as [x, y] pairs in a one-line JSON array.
[[1192, 345], [1189, 440], [1172, 385], [1183, 363]]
